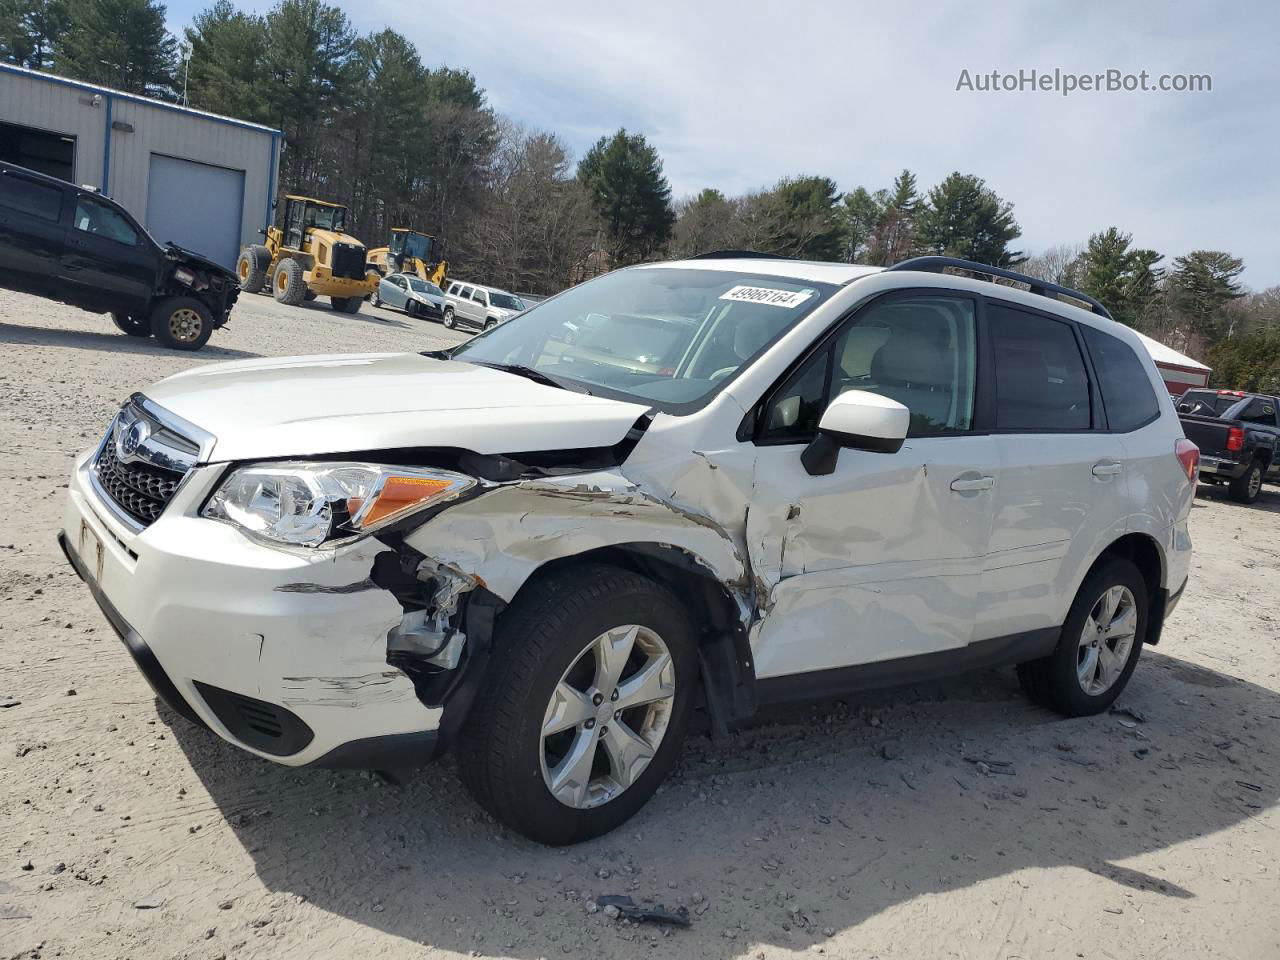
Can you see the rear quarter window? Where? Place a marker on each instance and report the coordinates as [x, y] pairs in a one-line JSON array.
[[27, 196], [1127, 394]]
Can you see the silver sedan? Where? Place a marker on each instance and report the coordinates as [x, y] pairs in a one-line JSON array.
[[410, 293]]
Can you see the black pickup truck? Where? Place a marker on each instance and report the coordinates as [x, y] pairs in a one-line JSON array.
[[76, 246], [1238, 435]]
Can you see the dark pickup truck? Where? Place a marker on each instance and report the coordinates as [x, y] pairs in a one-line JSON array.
[[76, 246], [1238, 435]]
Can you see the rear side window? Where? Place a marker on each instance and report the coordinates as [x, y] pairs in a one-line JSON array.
[[29, 197], [1041, 384], [1257, 410], [1126, 389]]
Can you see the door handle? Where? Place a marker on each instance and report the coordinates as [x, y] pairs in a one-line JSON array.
[[1107, 468], [963, 485]]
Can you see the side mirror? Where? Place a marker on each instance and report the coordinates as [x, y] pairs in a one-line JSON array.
[[858, 420]]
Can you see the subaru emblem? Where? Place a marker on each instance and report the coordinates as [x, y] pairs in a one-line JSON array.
[[132, 438]]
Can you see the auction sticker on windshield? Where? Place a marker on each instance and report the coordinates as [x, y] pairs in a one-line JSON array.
[[767, 295]]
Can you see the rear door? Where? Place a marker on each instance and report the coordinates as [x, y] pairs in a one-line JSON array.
[[1061, 490], [108, 257], [32, 232]]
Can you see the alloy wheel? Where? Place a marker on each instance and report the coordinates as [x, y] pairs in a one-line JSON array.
[[1255, 481], [1106, 641], [607, 716], [185, 325]]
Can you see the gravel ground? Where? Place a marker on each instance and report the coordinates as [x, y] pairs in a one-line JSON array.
[[857, 829]]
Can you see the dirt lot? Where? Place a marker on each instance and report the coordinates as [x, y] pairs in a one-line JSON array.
[[860, 829]]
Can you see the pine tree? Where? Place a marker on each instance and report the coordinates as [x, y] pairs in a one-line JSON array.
[[964, 218], [1201, 285], [895, 230], [861, 214], [225, 72], [29, 30], [623, 175], [118, 43]]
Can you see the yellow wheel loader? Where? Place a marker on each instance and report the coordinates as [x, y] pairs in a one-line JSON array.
[[309, 256], [411, 252]]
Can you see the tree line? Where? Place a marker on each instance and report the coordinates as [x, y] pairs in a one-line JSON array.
[[367, 123]]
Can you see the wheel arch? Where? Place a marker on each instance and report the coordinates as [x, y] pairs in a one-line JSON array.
[[716, 613], [1145, 553]]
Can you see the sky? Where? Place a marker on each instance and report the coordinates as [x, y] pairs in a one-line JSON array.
[[736, 95]]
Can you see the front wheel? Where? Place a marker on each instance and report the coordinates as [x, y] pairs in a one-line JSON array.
[[1100, 643], [448, 318], [182, 323], [1245, 488], [133, 326], [585, 707], [345, 304]]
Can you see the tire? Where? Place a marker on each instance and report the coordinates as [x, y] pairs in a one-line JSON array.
[[252, 267], [345, 304], [448, 318], [544, 642], [411, 308], [130, 324], [374, 299], [1056, 681], [490, 323], [1245, 488], [182, 323], [288, 285], [309, 295]]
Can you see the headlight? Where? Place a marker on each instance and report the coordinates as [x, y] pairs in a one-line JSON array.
[[310, 504]]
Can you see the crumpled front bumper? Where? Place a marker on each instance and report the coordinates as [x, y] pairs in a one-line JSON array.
[[282, 654]]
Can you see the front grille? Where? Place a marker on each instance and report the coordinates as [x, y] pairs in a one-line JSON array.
[[348, 261], [143, 459], [140, 491]]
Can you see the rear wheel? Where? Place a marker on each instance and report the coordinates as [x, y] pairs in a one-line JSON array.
[[182, 323], [448, 318], [345, 304], [288, 284], [1245, 489], [1100, 644], [585, 706], [132, 325], [251, 267]]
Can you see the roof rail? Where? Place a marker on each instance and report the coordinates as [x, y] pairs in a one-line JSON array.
[[1037, 286], [738, 255]]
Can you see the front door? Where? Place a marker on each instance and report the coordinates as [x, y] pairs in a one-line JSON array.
[[882, 558], [107, 257]]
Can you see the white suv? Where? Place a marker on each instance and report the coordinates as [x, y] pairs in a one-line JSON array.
[[471, 305], [698, 485]]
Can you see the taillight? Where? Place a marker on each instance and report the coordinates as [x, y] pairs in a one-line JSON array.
[[1189, 456], [1235, 438]]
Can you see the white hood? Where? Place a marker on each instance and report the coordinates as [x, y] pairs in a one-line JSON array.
[[345, 403]]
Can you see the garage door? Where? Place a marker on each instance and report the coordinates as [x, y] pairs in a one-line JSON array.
[[197, 206]]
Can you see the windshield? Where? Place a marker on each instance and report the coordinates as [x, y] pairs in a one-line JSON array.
[[669, 337], [505, 301], [421, 286], [326, 218], [418, 245]]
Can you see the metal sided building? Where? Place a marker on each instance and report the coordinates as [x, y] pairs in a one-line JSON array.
[[202, 181]]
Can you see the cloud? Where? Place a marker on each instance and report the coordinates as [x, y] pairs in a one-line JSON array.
[[736, 95]]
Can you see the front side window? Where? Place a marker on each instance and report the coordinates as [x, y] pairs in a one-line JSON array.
[[28, 196], [478, 297], [101, 220], [1041, 383], [1126, 389], [668, 337], [919, 351]]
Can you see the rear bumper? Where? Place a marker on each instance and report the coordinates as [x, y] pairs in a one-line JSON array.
[[1221, 467]]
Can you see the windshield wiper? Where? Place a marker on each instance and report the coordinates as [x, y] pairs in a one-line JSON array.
[[529, 373]]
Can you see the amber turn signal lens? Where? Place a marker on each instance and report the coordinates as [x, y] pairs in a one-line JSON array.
[[399, 494]]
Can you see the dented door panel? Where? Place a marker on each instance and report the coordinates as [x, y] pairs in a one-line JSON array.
[[880, 559]]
